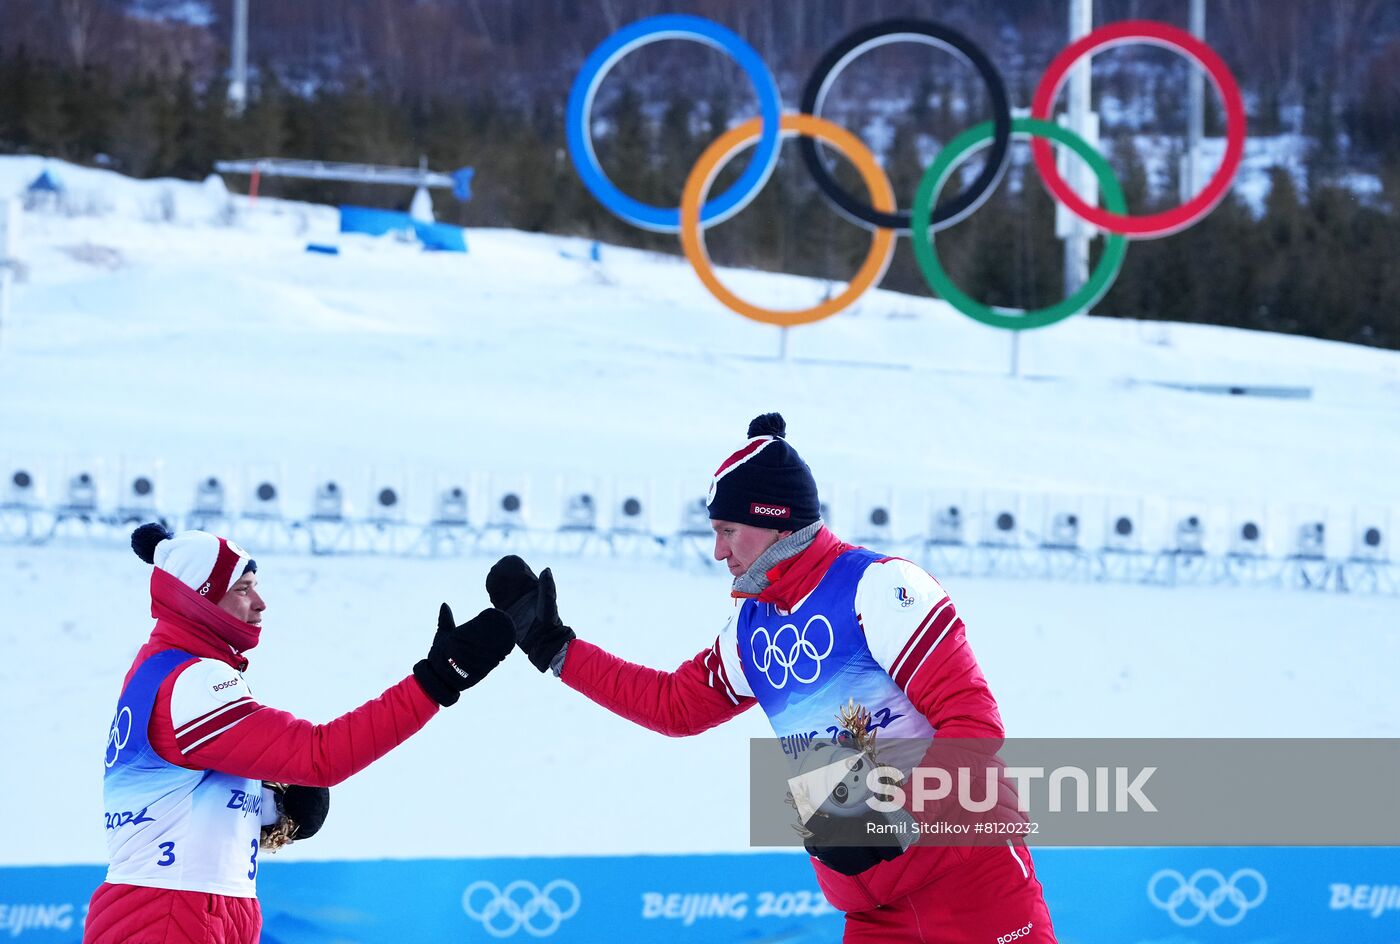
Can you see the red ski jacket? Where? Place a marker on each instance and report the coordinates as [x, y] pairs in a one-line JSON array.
[[932, 663], [225, 729]]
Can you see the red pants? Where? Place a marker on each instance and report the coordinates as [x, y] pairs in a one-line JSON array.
[[133, 914], [993, 898]]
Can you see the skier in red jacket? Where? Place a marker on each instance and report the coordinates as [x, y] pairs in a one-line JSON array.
[[196, 768], [876, 630]]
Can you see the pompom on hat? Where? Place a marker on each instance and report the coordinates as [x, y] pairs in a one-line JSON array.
[[207, 564], [765, 483]]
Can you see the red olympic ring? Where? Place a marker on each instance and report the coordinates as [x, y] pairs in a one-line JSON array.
[[1149, 225]]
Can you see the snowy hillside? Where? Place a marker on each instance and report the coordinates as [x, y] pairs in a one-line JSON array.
[[156, 329], [514, 357]]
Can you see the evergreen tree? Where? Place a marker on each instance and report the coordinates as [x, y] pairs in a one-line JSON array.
[[89, 110], [135, 142], [261, 131], [43, 127]]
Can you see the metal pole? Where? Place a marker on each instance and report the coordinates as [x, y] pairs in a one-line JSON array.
[[1195, 123], [1081, 21], [238, 83]]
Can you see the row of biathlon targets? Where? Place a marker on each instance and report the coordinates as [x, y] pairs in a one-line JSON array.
[[952, 519]]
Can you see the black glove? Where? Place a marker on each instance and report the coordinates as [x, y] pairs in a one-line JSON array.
[[833, 843], [306, 807], [530, 603], [853, 860], [462, 655]]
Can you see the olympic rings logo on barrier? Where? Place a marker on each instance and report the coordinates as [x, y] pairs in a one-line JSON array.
[[1205, 891], [698, 211], [519, 903], [773, 654]]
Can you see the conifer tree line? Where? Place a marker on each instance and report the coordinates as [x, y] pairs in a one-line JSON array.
[[483, 83]]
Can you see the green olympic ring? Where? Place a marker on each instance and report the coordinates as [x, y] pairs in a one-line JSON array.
[[932, 183]]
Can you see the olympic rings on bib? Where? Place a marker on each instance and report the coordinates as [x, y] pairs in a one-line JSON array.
[[796, 659], [927, 215], [118, 736]]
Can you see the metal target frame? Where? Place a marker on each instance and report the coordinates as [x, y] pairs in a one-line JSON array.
[[453, 525]]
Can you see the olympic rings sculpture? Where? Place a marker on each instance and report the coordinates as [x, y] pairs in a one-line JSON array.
[[929, 214]]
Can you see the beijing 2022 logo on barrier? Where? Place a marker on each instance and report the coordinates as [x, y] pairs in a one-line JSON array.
[[928, 214]]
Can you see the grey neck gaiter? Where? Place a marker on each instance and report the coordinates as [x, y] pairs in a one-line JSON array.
[[754, 581]]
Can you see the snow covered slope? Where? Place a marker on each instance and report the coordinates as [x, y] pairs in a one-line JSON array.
[[154, 327]]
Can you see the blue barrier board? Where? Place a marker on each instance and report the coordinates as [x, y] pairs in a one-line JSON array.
[[1096, 896]]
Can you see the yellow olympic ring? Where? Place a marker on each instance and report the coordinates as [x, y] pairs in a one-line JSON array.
[[712, 161]]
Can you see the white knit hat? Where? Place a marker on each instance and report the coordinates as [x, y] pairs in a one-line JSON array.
[[204, 562]]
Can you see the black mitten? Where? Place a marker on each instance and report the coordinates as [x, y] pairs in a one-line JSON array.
[[853, 860], [463, 655], [509, 581], [533, 608], [306, 807], [834, 843]]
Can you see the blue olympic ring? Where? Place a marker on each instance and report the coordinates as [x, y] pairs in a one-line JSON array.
[[595, 69]]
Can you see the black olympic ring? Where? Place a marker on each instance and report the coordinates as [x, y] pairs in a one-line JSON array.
[[920, 31]]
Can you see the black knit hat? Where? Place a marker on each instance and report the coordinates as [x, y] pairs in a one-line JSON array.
[[766, 483]]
